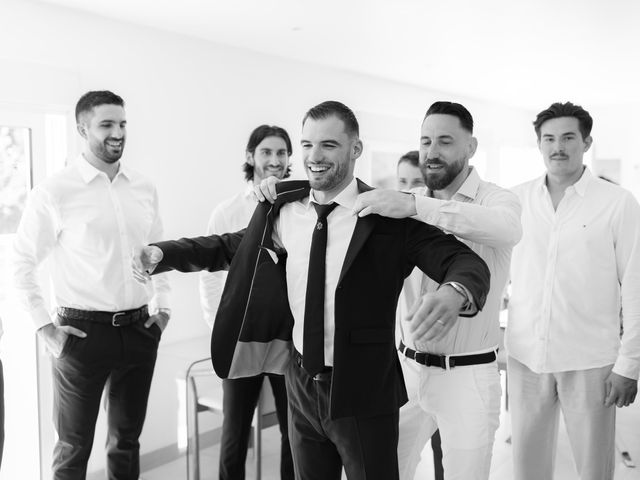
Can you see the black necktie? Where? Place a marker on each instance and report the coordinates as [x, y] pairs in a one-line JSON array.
[[313, 337]]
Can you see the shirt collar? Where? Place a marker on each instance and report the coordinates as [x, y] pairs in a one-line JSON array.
[[88, 172], [470, 186], [580, 186], [346, 198], [248, 192]]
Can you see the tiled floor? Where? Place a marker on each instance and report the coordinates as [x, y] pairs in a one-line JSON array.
[[628, 436]]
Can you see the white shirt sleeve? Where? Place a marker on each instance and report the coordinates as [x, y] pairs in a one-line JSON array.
[[627, 251], [36, 236], [495, 223], [212, 283]]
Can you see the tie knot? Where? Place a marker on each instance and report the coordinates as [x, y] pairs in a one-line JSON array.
[[323, 211]]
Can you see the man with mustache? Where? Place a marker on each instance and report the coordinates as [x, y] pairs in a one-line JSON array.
[[459, 394], [86, 219], [267, 153], [575, 281], [312, 291]]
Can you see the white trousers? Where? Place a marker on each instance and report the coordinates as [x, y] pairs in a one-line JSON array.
[[535, 400], [464, 403]]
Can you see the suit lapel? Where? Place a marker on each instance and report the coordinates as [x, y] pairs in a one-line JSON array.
[[364, 227]]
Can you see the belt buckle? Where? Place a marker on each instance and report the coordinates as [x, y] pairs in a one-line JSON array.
[[114, 319], [421, 358]]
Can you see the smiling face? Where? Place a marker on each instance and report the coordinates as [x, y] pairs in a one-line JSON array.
[[445, 150], [104, 131], [328, 154], [270, 158], [563, 147]]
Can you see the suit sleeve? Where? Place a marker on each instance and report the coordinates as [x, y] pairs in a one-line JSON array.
[[444, 259], [212, 253]]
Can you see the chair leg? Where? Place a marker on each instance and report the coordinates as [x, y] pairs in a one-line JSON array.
[[258, 440], [193, 438]]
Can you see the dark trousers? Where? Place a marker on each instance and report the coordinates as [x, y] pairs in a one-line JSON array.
[[122, 360], [240, 397], [436, 446], [321, 446]]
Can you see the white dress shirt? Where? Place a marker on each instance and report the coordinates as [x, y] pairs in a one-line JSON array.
[[231, 215], [88, 226], [294, 228], [575, 277], [486, 218]]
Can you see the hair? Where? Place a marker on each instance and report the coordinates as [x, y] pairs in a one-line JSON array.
[[257, 136], [412, 157], [567, 109], [93, 99], [454, 109], [333, 108]]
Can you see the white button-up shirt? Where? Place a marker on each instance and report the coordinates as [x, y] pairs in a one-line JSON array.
[[486, 218], [231, 215], [88, 227], [575, 278], [294, 229]]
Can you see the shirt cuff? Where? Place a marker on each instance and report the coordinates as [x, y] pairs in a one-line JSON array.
[[160, 300], [427, 208], [468, 307], [41, 317], [627, 367]]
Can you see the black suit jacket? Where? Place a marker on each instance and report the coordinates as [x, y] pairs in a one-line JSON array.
[[252, 331]]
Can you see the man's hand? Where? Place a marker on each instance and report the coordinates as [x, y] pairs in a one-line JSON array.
[[266, 189], [161, 318], [619, 390], [55, 337], [388, 203], [434, 314], [145, 261]]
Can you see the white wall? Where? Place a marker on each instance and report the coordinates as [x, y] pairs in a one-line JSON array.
[[191, 106]]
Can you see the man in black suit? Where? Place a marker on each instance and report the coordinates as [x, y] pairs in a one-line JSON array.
[[325, 315]]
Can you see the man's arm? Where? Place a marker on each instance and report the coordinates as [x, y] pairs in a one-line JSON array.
[[35, 239], [496, 223], [452, 264], [622, 384]]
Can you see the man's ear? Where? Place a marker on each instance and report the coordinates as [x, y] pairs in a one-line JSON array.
[[473, 146], [249, 158], [82, 130], [587, 143], [357, 149]]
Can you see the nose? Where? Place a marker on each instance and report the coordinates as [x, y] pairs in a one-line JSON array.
[[117, 131], [315, 154]]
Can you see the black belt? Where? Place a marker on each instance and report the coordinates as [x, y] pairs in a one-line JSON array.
[[116, 319], [431, 360], [322, 375]]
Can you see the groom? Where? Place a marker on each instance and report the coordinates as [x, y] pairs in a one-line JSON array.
[[312, 293]]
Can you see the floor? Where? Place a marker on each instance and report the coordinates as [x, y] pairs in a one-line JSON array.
[[628, 438]]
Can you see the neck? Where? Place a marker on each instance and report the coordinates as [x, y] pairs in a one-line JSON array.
[[450, 190], [559, 183], [110, 169], [326, 196]]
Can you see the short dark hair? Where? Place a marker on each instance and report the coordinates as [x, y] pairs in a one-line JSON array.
[[96, 98], [340, 110], [412, 157], [257, 136], [567, 109], [455, 109]]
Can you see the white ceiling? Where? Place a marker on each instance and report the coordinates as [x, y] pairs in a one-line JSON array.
[[526, 52]]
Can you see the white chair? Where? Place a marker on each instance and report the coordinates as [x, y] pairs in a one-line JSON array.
[[204, 394]]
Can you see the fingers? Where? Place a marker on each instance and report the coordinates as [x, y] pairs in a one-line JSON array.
[[608, 393], [272, 190], [69, 330], [266, 190], [365, 211], [150, 321]]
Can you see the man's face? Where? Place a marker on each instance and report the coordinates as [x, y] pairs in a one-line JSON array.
[[104, 130], [269, 159], [445, 150], [328, 153], [562, 146], [408, 177]]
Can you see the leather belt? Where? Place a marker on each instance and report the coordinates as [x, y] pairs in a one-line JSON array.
[[115, 319], [446, 361], [323, 375]]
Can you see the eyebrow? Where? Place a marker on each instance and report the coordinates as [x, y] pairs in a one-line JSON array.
[[449, 137]]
